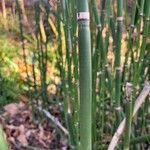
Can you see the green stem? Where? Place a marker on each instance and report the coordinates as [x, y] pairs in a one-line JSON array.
[[128, 125], [118, 60], [85, 68]]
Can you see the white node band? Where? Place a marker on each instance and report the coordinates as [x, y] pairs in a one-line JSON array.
[[118, 108], [147, 19], [83, 16], [119, 18], [99, 26]]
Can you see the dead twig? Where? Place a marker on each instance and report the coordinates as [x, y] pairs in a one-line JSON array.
[[54, 120]]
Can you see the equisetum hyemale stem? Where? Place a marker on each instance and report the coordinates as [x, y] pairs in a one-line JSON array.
[[128, 111], [85, 79], [118, 60]]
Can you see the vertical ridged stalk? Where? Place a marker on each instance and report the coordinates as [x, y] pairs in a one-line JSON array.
[[61, 66], [66, 5], [33, 72], [130, 45], [22, 39], [118, 59], [102, 89], [42, 54], [95, 63], [75, 65], [85, 76], [128, 111], [145, 34]]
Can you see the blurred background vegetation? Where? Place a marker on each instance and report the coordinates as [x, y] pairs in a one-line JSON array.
[[12, 67]]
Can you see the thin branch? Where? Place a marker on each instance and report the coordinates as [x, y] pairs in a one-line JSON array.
[[54, 120]]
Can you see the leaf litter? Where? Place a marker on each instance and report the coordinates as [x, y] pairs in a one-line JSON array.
[[23, 133]]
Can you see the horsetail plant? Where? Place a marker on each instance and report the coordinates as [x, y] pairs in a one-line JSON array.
[[118, 59], [92, 84], [71, 103], [22, 40], [128, 112], [85, 71]]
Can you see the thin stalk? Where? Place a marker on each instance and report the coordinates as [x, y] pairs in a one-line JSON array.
[[61, 67], [68, 43], [128, 110], [95, 63], [42, 55], [22, 40], [75, 64], [118, 60], [60, 59], [69, 88], [130, 44], [101, 105], [33, 72], [103, 12], [145, 34], [141, 139], [136, 51], [69, 93], [24, 50], [110, 82]]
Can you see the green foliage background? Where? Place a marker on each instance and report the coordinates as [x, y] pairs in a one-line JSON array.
[[10, 82]]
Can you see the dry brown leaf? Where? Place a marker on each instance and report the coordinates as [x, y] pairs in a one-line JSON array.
[[21, 105], [11, 139], [28, 133], [21, 129], [22, 139], [11, 127], [11, 109], [23, 99]]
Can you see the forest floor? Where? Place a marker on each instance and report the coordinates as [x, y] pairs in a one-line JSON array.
[[23, 133]]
